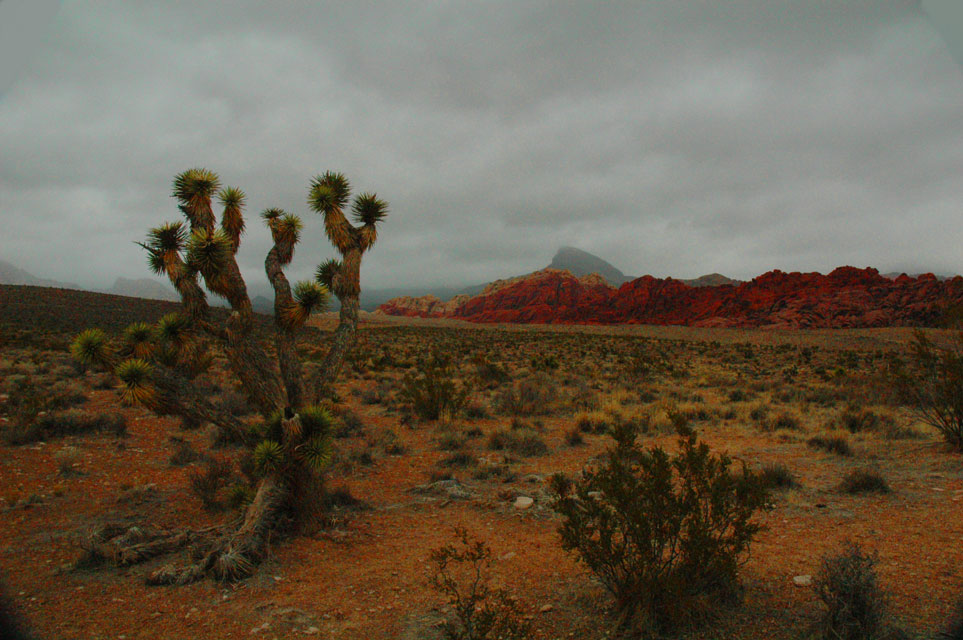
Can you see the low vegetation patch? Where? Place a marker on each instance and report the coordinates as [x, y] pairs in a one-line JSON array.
[[665, 534]]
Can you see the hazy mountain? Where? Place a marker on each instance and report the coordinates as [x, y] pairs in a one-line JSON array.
[[711, 280], [10, 274], [143, 288], [581, 263]]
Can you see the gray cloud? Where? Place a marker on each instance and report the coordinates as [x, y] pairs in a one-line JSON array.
[[669, 138]]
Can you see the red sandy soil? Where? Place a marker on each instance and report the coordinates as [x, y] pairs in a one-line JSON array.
[[367, 578]]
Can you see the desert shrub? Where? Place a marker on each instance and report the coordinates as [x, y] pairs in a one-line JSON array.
[[933, 386], [759, 412], [68, 461], [208, 482], [864, 481], [67, 423], [458, 459], [573, 437], [777, 476], [476, 410], [523, 442], [738, 395], [665, 534], [460, 571], [593, 422], [782, 421], [433, 393], [452, 441], [856, 421], [534, 395], [184, 453], [855, 606], [955, 629], [349, 425], [489, 373], [831, 443]]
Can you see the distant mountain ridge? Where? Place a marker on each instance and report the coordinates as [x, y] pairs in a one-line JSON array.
[[845, 298], [10, 274]]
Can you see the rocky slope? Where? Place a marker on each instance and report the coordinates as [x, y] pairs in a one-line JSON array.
[[847, 297]]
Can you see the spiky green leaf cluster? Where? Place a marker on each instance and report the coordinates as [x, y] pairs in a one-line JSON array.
[[268, 457], [311, 296], [317, 453], [194, 183], [232, 221], [137, 332], [328, 192], [208, 252], [316, 421], [163, 246], [174, 328], [138, 336], [90, 347], [232, 197], [272, 214], [369, 209], [326, 272], [135, 376]]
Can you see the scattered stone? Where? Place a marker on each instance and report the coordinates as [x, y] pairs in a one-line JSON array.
[[523, 502], [802, 581], [451, 489], [545, 608]]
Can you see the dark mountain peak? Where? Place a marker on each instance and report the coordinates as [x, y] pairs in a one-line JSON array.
[[581, 263]]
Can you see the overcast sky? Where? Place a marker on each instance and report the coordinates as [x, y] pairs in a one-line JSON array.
[[670, 138]]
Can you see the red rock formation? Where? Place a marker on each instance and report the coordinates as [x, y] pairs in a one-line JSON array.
[[847, 297]]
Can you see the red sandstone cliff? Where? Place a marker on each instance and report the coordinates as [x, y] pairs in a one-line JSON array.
[[847, 297]]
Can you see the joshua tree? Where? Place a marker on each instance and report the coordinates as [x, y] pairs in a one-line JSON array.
[[157, 365]]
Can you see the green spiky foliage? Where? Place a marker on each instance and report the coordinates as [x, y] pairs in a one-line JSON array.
[[232, 221], [328, 195], [286, 232], [208, 251], [139, 338], [317, 453], [194, 189], [326, 273], [164, 245], [91, 347], [268, 457], [309, 297], [174, 329], [136, 387], [368, 210]]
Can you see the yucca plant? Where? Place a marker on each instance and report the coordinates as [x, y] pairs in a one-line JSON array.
[[156, 364]]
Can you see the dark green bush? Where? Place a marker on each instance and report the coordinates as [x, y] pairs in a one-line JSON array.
[[67, 423], [933, 386], [855, 606], [531, 396], [777, 476], [434, 393], [523, 442], [864, 481], [664, 533], [460, 571], [833, 444]]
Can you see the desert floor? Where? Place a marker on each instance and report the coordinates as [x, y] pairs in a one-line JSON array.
[[759, 396]]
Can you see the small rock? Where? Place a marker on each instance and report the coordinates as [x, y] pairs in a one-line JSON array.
[[508, 556], [523, 502], [802, 581], [312, 631], [545, 608]]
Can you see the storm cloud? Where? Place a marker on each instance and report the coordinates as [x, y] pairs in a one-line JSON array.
[[669, 138]]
